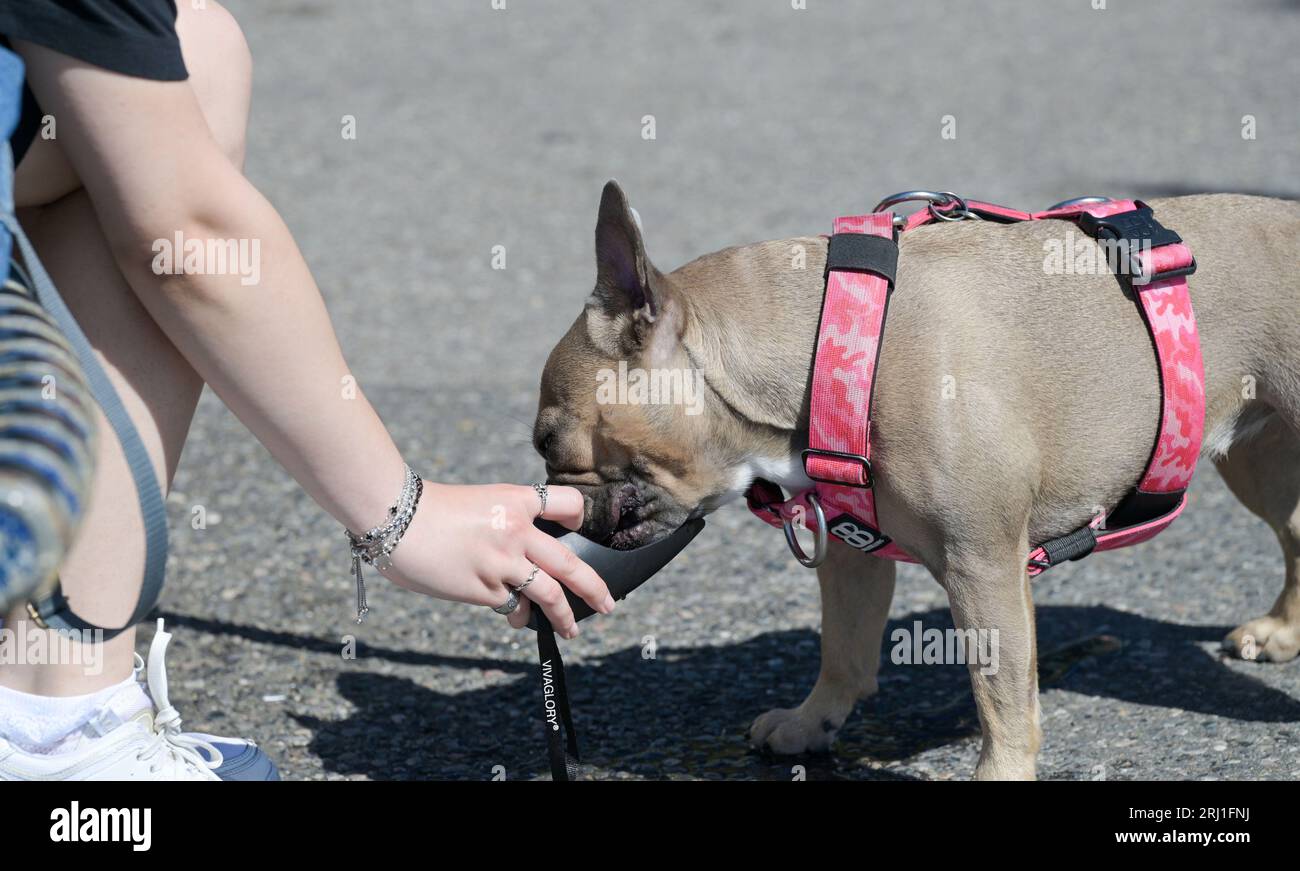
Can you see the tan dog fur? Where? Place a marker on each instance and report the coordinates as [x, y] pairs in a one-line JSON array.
[[1011, 405]]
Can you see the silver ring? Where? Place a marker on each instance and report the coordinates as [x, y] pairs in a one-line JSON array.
[[959, 211], [819, 547], [932, 197], [532, 576], [542, 491], [509, 605], [1076, 202]]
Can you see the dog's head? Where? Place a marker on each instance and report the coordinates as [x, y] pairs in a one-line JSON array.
[[626, 414]]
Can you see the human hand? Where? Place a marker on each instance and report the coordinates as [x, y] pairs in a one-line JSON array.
[[466, 543]]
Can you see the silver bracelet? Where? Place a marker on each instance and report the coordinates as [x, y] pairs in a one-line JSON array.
[[373, 547]]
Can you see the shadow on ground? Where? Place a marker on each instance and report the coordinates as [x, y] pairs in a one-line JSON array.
[[685, 713]]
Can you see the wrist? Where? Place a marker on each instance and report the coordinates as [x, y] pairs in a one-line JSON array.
[[374, 545], [371, 495]]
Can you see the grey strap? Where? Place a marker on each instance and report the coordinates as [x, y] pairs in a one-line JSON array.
[[54, 610]]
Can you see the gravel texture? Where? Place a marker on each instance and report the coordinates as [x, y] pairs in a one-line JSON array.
[[478, 128]]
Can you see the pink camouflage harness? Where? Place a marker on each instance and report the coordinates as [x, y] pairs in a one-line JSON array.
[[861, 261]]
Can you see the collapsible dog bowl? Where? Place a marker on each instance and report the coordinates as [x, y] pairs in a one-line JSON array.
[[622, 570]]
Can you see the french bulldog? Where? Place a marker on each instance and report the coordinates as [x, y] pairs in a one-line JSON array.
[[1009, 404]]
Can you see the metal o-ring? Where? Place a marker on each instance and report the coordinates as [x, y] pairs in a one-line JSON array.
[[932, 197], [1076, 201], [959, 212], [819, 546]]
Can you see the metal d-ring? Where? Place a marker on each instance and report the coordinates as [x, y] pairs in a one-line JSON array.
[[934, 198], [1075, 202], [819, 547]]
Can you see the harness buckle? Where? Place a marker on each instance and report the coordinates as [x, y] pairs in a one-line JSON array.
[[1135, 232], [1139, 225], [838, 455]]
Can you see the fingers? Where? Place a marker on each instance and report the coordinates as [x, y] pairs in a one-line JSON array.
[[564, 565], [546, 592], [564, 505], [518, 619]]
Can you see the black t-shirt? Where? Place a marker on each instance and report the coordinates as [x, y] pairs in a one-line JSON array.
[[133, 37]]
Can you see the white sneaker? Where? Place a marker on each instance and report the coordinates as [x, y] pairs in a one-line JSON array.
[[148, 746], [132, 751], [229, 758]]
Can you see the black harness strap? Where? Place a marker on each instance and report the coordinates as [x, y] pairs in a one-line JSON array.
[[859, 252]]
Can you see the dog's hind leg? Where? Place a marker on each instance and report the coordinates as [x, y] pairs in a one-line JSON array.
[[856, 593], [1263, 470]]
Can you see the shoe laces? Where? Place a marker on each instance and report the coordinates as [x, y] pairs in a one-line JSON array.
[[168, 739]]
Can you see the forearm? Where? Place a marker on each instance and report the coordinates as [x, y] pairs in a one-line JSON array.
[[269, 351], [152, 168]]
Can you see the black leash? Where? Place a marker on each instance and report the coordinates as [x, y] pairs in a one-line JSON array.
[[563, 751], [623, 571]]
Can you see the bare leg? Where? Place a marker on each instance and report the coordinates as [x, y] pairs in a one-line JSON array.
[[1264, 473], [102, 573], [856, 593]]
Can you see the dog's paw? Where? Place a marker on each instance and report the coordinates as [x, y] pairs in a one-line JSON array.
[[792, 731], [1269, 639]]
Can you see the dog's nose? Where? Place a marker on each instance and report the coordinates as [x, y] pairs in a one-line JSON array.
[[543, 441]]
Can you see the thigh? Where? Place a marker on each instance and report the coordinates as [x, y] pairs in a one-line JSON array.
[[156, 384], [158, 388]]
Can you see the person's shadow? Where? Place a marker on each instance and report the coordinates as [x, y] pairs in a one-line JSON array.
[[685, 712]]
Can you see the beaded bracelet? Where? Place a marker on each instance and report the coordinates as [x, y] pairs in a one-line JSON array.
[[373, 547]]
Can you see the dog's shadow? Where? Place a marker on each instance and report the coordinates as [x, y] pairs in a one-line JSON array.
[[685, 712]]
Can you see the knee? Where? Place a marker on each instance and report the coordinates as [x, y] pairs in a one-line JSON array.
[[221, 72]]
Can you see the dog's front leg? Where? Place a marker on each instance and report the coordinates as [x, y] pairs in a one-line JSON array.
[[856, 593], [992, 597]]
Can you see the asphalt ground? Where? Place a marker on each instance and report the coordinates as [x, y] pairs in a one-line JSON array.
[[478, 127]]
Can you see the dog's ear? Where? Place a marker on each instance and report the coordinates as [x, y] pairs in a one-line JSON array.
[[626, 282]]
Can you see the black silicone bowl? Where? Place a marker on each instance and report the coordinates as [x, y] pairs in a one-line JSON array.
[[622, 570]]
